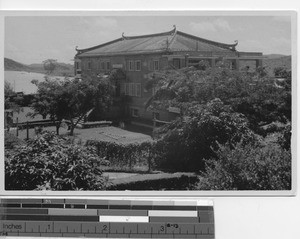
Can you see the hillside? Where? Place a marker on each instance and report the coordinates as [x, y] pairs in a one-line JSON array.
[[271, 63], [274, 56], [62, 69], [11, 65]]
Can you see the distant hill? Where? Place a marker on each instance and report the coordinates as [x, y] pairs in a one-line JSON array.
[[62, 69], [274, 56], [11, 65], [272, 62]]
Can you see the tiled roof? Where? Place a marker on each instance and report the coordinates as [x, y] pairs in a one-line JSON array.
[[172, 41]]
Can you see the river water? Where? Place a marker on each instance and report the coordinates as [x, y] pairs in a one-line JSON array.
[[21, 80]]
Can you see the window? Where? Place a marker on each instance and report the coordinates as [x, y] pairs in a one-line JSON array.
[[122, 85], [130, 66], [138, 90], [176, 63], [126, 89], [133, 89], [156, 65], [107, 65], [138, 65], [89, 65], [77, 65], [102, 65], [134, 112]]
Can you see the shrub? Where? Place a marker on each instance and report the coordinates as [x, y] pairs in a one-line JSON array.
[[52, 162], [285, 139], [248, 168], [282, 72], [11, 141], [125, 155], [187, 141]]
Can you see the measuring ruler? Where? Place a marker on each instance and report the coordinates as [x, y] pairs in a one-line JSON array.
[[57, 217]]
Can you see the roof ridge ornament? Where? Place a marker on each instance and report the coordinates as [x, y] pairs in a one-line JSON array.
[[123, 36], [174, 30], [232, 47], [167, 43]]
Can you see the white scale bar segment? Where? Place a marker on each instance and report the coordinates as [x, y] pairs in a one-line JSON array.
[[123, 219], [165, 213]]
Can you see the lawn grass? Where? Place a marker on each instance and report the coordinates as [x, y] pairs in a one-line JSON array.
[[107, 133], [112, 134]]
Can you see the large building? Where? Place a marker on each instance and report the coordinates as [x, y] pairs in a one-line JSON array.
[[139, 56]]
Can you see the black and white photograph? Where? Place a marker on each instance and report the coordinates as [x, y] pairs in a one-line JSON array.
[[149, 102]]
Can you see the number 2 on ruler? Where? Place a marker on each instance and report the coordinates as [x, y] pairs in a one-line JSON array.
[[105, 228]]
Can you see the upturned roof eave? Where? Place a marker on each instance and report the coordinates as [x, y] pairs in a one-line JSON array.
[[80, 51]]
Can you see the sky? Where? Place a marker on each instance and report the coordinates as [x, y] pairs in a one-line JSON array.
[[33, 39]]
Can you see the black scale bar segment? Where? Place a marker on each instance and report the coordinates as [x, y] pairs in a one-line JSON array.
[[78, 206], [22, 217], [97, 206], [20, 200], [75, 218], [141, 207], [45, 205], [174, 219], [31, 205], [204, 208], [10, 205], [119, 207], [23, 211], [52, 205], [178, 208]]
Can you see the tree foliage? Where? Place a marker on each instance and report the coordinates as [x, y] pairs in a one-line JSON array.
[[253, 94], [11, 141], [8, 89], [284, 140], [188, 140], [282, 72], [53, 163], [49, 65], [218, 106], [71, 99], [248, 168], [11, 100]]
